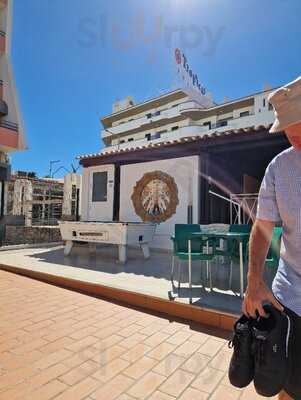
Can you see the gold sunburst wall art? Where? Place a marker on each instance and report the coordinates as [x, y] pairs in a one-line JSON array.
[[155, 197]]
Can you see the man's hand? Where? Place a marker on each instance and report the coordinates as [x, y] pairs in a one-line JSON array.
[[257, 292]]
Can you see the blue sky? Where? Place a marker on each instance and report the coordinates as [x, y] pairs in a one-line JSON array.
[[73, 58]]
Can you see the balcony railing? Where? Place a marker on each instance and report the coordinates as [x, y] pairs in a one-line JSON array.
[[9, 125], [2, 41], [9, 137]]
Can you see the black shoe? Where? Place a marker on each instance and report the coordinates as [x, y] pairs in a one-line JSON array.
[[241, 369], [271, 339]]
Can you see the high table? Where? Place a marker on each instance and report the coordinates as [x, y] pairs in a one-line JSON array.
[[228, 236]]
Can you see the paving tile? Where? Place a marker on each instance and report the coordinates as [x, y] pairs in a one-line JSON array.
[[169, 364], [103, 344], [80, 357], [132, 340], [109, 354], [146, 385], [140, 367], [33, 383], [199, 337], [160, 396], [129, 330], [80, 390], [110, 370], [221, 360], [83, 333], [196, 363], [225, 392], [59, 344], [155, 339], [172, 328], [161, 351], [37, 344], [179, 338], [177, 382], [48, 360], [136, 352], [47, 391], [210, 347], [125, 397], [75, 375], [111, 390], [77, 345], [187, 349], [15, 377], [193, 394], [207, 380]]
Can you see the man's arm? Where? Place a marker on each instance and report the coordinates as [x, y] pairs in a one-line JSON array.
[[257, 291]]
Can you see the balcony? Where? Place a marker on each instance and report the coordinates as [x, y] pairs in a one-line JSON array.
[[185, 131], [149, 122], [2, 42], [9, 136]]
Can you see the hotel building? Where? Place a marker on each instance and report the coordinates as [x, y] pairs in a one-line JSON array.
[[179, 114], [11, 127]]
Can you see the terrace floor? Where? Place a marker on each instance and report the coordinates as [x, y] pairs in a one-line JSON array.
[[59, 344], [148, 277]]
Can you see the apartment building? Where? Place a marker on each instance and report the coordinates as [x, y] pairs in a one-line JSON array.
[[179, 114], [12, 136]]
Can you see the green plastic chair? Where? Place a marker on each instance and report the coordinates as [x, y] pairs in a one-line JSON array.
[[232, 250], [180, 250], [273, 255]]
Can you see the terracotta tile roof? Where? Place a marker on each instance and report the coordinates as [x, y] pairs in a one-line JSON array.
[[196, 138]]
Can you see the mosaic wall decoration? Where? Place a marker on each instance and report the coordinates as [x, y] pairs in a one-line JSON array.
[[155, 197]]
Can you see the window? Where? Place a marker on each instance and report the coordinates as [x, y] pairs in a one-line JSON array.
[[271, 107], [100, 186], [223, 122], [157, 113], [208, 123], [122, 141], [157, 135], [244, 114], [149, 115], [130, 139], [263, 102], [148, 136], [174, 128], [175, 105]]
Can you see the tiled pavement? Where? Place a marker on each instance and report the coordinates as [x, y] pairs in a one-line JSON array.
[[59, 344]]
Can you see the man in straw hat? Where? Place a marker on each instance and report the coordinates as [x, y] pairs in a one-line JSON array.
[[279, 201]]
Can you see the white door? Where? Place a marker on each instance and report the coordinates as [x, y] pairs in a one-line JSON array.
[[101, 193]]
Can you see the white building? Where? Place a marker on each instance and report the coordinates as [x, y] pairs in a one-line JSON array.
[[12, 136], [178, 114]]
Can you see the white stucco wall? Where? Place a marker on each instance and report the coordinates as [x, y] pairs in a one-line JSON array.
[[183, 170]]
